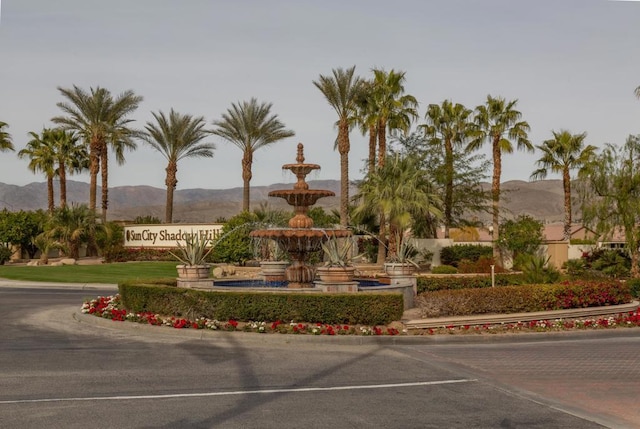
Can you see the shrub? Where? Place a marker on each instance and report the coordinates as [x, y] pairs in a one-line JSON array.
[[125, 254], [536, 269], [482, 265], [426, 284], [634, 287], [5, 254], [366, 309], [527, 298], [452, 255], [444, 269]]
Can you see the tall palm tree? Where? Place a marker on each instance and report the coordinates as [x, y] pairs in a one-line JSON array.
[[341, 91], [367, 120], [561, 154], [448, 126], [5, 138], [250, 125], [399, 193], [395, 110], [498, 122], [71, 157], [100, 120], [41, 151], [177, 137]]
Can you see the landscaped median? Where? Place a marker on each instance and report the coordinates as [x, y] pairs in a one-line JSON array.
[[348, 314]]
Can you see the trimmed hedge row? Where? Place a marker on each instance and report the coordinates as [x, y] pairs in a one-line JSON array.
[[353, 309], [430, 284], [525, 298]]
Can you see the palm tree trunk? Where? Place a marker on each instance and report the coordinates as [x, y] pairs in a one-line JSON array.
[[104, 163], [382, 153], [566, 182], [171, 183], [343, 149], [94, 168], [247, 161], [448, 193], [382, 142], [62, 173], [495, 200], [373, 136], [50, 197]]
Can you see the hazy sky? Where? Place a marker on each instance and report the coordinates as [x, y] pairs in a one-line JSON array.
[[572, 64]]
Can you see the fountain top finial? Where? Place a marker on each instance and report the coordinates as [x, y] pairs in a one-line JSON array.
[[300, 157]]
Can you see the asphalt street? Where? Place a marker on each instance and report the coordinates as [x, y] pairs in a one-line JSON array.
[[58, 373]]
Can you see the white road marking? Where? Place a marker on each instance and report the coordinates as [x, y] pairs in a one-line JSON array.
[[238, 392]]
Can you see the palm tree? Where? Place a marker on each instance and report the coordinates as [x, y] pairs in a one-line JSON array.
[[399, 193], [563, 153], [41, 151], [70, 156], [341, 91], [448, 126], [499, 123], [368, 120], [250, 126], [5, 138], [177, 137], [394, 109], [71, 226], [100, 119]]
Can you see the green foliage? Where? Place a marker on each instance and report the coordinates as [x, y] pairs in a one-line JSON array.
[[338, 252], [21, 228], [426, 284], [147, 220], [322, 219], [444, 269], [609, 188], [362, 308], [521, 236], [525, 298], [194, 251], [127, 254], [452, 255], [235, 245], [5, 254], [71, 226], [110, 240], [460, 171], [536, 269], [634, 287], [611, 262], [482, 265]]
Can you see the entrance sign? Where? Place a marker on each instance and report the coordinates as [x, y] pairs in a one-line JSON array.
[[167, 236]]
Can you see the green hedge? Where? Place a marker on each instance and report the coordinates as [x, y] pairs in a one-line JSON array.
[[361, 308], [430, 284], [526, 298], [452, 255]]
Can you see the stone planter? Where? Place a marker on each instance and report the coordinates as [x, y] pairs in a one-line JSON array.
[[329, 275], [395, 269], [193, 272]]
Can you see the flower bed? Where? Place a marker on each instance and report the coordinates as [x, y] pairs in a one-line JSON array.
[[622, 320], [110, 307]]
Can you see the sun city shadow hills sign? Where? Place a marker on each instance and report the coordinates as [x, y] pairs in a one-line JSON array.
[[168, 235]]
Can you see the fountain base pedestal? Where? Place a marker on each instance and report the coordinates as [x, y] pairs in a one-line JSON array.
[[346, 287]]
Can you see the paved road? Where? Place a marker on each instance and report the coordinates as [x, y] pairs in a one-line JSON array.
[[57, 373]]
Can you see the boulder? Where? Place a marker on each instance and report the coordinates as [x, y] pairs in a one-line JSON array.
[[68, 261]]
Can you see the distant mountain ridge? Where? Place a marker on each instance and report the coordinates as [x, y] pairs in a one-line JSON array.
[[542, 199]]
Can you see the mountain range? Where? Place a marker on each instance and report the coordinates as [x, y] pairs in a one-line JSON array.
[[542, 200]]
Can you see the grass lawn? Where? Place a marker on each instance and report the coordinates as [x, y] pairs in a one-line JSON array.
[[101, 273]]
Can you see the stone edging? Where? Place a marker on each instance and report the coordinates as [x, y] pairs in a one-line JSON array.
[[520, 317]]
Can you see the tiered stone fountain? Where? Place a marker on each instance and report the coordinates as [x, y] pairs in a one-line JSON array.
[[300, 240]]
